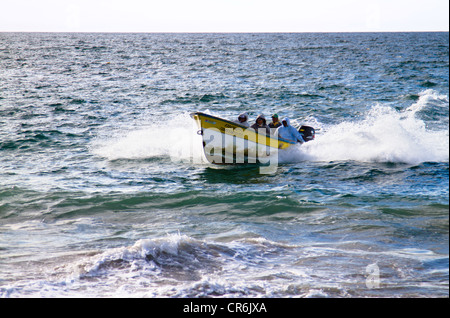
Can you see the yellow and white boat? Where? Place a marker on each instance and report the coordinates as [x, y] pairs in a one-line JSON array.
[[227, 142]]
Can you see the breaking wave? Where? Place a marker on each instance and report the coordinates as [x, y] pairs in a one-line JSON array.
[[182, 266]]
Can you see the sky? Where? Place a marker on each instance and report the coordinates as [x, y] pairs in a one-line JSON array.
[[223, 15]]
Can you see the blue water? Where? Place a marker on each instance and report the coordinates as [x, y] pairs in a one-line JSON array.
[[104, 190]]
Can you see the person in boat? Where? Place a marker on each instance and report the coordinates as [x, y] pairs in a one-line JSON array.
[[260, 125], [286, 131], [243, 120], [274, 124]]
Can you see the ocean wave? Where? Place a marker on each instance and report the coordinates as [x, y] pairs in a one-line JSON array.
[[181, 266]]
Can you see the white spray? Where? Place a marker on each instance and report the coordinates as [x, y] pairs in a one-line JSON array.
[[384, 135]]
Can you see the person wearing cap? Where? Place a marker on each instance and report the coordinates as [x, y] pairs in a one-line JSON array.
[[260, 125], [274, 124], [243, 120]]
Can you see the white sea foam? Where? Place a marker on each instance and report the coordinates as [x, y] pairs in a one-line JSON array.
[[383, 135]]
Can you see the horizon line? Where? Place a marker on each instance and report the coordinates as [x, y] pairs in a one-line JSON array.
[[226, 32]]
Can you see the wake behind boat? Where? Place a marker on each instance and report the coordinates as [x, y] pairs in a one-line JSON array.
[[227, 142]]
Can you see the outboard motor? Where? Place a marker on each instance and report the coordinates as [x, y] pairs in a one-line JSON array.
[[308, 133]]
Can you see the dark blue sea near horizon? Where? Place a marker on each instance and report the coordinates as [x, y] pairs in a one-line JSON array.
[[104, 191]]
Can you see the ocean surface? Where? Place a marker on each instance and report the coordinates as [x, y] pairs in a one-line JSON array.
[[104, 191]]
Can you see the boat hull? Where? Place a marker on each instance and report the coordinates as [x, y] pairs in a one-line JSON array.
[[226, 142]]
